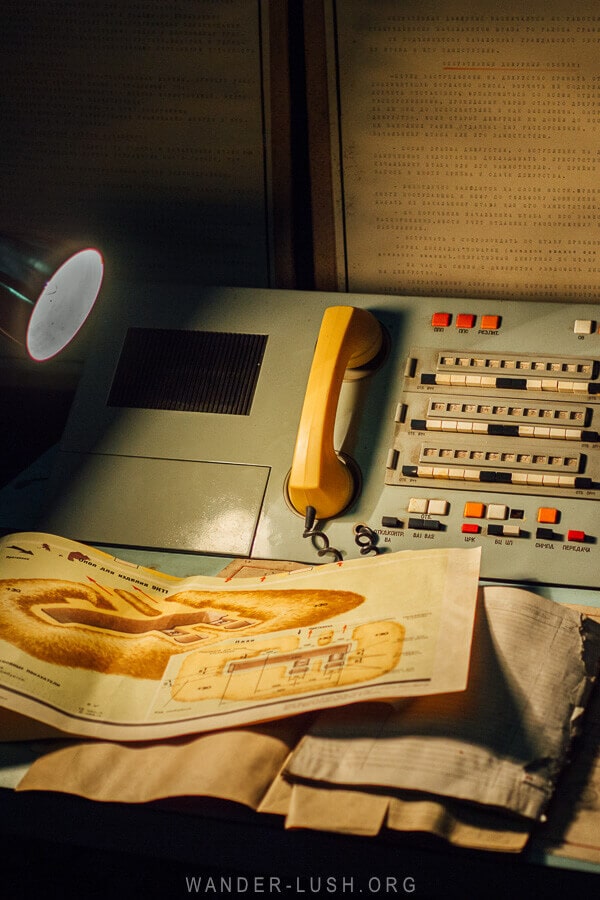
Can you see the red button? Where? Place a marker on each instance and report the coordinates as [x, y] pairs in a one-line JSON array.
[[465, 320], [470, 528], [490, 323], [578, 536], [441, 319]]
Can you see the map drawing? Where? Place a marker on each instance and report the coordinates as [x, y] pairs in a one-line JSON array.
[[290, 663]]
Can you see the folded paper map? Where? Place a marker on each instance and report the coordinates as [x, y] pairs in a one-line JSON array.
[[99, 647]]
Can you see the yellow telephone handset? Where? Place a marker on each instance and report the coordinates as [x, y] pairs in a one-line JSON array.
[[348, 339]]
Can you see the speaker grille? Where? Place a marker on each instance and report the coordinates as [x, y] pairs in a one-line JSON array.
[[191, 371]]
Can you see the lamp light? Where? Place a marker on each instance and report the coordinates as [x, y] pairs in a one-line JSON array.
[[46, 293]]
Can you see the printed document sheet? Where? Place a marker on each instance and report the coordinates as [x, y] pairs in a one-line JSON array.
[[502, 742], [469, 147], [101, 648]]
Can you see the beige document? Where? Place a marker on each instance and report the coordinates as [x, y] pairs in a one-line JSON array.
[[236, 765], [572, 828], [329, 807], [191, 766], [501, 743], [468, 137], [98, 647]]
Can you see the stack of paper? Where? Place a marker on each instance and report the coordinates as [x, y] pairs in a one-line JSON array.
[[404, 692]]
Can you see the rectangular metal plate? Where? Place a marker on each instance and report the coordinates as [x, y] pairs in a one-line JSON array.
[[199, 507]]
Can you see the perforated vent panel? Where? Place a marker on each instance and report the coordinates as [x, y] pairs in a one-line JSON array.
[[192, 371]]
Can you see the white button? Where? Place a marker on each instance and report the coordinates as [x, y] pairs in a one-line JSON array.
[[583, 326], [417, 505], [497, 511], [392, 459], [535, 478], [512, 530], [566, 480], [551, 480], [438, 507]]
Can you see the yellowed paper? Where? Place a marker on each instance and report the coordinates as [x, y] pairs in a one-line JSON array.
[[500, 743], [461, 824], [256, 568], [469, 135], [347, 812], [327, 808], [573, 826], [278, 797], [102, 648], [237, 765]]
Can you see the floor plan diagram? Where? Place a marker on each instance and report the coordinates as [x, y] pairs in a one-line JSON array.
[[290, 663]]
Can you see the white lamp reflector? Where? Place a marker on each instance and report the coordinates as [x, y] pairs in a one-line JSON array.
[[64, 304]]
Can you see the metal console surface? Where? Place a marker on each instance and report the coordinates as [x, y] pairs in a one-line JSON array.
[[480, 427]]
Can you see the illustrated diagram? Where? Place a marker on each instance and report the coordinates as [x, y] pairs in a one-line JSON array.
[[289, 664], [125, 631]]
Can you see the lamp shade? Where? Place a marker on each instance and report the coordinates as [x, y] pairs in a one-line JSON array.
[[46, 294]]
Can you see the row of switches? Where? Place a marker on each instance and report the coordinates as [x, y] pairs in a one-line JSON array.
[[465, 320], [474, 509], [493, 530]]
